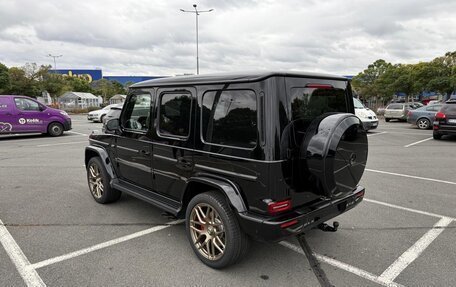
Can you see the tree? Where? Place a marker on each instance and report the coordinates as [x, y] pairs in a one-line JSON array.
[[444, 80], [365, 83], [4, 79], [107, 89]]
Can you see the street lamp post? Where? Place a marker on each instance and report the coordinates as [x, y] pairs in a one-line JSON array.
[[55, 62], [197, 13]]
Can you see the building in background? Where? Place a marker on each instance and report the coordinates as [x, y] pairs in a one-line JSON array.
[[97, 74], [117, 99], [76, 100]]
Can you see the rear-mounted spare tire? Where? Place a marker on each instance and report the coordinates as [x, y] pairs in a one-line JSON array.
[[334, 152]]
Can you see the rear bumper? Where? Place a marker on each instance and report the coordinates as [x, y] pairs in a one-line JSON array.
[[269, 229], [399, 117], [444, 129]]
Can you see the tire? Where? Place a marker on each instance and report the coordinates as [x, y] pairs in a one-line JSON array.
[[333, 155], [55, 129], [437, 136], [423, 124], [99, 182], [203, 237], [387, 119]]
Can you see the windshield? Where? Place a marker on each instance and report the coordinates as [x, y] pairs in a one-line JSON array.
[[358, 104]]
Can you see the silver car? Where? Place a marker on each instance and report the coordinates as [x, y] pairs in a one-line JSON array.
[[398, 111]]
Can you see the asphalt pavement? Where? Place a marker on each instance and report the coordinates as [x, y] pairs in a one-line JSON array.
[[54, 234]]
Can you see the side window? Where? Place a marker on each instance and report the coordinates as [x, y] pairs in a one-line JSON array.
[[26, 104], [137, 113], [229, 117], [433, 108], [4, 103], [174, 114]]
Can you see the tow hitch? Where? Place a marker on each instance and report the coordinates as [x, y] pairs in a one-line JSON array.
[[327, 228]]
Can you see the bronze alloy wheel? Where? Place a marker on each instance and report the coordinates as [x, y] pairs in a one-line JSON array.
[[95, 181], [207, 231]]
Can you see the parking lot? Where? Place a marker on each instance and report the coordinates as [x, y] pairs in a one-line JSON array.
[[53, 233]]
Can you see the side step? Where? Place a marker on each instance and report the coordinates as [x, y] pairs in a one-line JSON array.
[[160, 201]]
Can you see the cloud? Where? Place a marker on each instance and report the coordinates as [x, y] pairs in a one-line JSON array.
[[154, 38]]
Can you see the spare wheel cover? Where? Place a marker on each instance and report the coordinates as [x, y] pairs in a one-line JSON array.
[[335, 153]]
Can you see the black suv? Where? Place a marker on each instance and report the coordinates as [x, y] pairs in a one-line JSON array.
[[249, 155], [445, 120]]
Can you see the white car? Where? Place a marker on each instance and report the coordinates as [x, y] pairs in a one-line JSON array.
[[366, 115], [98, 115]]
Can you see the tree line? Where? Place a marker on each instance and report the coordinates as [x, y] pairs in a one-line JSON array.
[[382, 80], [31, 80]]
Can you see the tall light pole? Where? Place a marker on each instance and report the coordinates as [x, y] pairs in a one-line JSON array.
[[55, 63], [197, 12]]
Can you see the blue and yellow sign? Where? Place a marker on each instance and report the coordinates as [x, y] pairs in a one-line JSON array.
[[89, 75]]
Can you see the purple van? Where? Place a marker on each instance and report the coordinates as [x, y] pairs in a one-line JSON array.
[[20, 114]]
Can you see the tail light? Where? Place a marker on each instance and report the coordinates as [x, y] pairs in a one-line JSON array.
[[409, 113], [440, 116], [275, 207]]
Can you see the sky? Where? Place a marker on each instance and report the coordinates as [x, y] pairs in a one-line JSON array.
[[151, 37]]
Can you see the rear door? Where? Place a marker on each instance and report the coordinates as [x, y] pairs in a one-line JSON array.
[[395, 110], [173, 140], [307, 100]]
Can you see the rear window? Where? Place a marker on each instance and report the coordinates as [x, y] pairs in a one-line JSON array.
[[449, 108], [395, 107], [314, 100]]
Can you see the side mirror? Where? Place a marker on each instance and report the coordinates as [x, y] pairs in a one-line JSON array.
[[113, 125]]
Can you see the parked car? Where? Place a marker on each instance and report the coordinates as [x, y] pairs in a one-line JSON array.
[[114, 113], [423, 117], [366, 115], [21, 114], [433, 102], [445, 120], [254, 155], [398, 111], [98, 115]]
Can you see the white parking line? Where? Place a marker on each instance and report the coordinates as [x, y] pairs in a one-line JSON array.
[[103, 245], [76, 133], [411, 176], [341, 265], [376, 134], [418, 142], [43, 145], [27, 272], [414, 251], [406, 208]]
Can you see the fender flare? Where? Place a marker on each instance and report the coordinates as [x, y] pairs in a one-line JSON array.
[[103, 154], [227, 187]]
